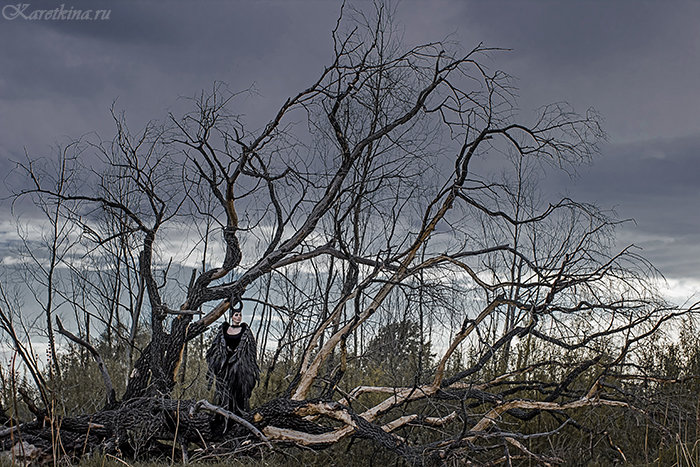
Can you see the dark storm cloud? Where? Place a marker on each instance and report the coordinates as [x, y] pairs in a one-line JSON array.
[[143, 42], [637, 62], [78, 58], [666, 167], [570, 36], [654, 184], [129, 22], [59, 78]]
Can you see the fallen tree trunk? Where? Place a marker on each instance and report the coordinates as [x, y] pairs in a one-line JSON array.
[[152, 427], [144, 427], [160, 427]]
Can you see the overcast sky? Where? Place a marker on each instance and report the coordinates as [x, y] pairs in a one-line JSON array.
[[637, 62]]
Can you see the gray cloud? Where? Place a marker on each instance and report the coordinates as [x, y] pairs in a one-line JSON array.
[[635, 61], [655, 184]]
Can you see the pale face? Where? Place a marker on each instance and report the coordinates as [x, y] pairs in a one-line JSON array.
[[236, 318]]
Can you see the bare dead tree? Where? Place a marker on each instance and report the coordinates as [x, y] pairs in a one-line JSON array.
[[382, 209], [15, 330]]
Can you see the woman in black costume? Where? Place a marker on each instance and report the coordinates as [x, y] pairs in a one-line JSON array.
[[232, 361]]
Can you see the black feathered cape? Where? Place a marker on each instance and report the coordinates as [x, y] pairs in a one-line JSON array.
[[236, 372]]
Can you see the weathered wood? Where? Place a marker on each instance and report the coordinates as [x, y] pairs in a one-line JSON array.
[[206, 405]]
